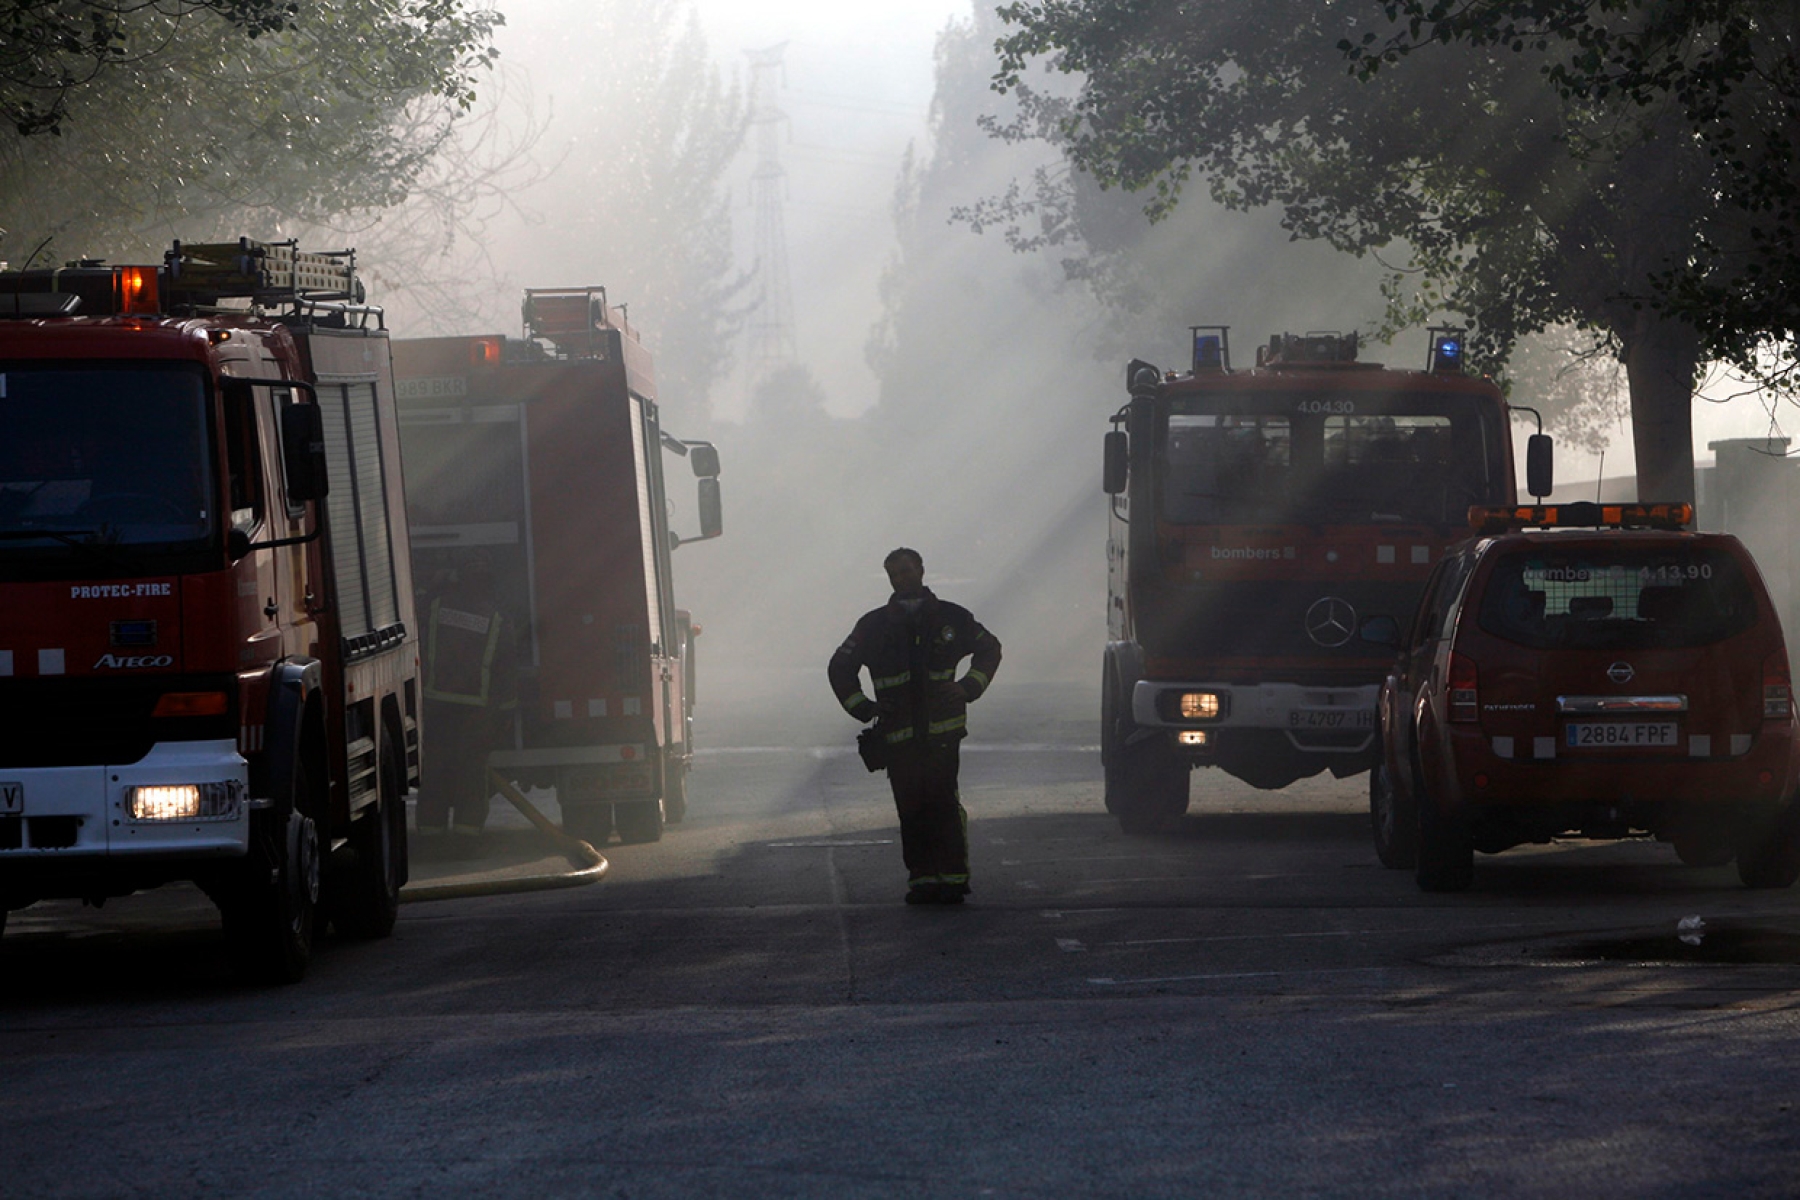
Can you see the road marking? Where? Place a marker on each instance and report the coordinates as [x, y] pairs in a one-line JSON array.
[[1324, 933], [1191, 877], [847, 751], [1070, 946], [826, 845], [1104, 981]]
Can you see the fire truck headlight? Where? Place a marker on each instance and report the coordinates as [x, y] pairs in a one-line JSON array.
[[182, 801], [1202, 706]]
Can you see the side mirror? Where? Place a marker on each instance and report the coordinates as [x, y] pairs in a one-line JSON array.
[[1380, 631], [1539, 474], [704, 458], [237, 545], [712, 511], [1118, 462], [303, 453]]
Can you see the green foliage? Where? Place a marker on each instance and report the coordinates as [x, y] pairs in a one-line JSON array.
[[205, 129], [1723, 76], [53, 50]]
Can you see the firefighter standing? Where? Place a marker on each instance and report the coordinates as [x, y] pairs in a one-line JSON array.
[[911, 647], [470, 698]]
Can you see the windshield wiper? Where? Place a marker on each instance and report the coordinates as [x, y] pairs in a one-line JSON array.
[[107, 551]]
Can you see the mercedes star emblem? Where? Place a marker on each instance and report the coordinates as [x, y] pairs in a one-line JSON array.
[[1330, 621]]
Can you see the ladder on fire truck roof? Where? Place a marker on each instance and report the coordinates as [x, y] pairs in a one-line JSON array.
[[201, 274]]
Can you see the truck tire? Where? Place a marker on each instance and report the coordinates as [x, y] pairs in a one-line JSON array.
[[270, 908], [1446, 856], [366, 899], [639, 821], [1112, 735], [1770, 858], [1393, 821], [1154, 785], [675, 773]]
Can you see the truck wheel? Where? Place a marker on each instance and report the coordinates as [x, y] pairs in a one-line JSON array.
[[1154, 791], [1111, 736], [270, 909], [675, 773], [1772, 860], [1446, 857], [639, 821], [592, 823], [367, 897], [1395, 824]]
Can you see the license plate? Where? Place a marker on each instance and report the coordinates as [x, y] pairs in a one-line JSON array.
[[12, 797], [1331, 718], [1624, 735]]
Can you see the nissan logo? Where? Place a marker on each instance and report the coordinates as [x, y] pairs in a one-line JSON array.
[[1330, 621], [1620, 672]]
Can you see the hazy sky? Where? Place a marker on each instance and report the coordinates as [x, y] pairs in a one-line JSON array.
[[858, 86]]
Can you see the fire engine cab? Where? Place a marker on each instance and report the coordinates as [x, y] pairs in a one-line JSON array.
[[544, 456], [207, 645], [1269, 528]]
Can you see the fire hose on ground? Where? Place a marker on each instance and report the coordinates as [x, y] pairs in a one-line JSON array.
[[590, 865]]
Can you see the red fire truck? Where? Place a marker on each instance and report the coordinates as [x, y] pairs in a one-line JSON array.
[[1270, 529], [207, 652], [544, 455]]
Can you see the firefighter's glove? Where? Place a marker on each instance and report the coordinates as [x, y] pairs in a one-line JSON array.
[[865, 710]]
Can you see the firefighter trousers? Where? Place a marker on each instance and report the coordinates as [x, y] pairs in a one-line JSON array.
[[458, 738], [934, 829]]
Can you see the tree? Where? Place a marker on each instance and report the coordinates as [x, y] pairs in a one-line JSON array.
[[1730, 69], [54, 51], [1518, 205], [338, 110]]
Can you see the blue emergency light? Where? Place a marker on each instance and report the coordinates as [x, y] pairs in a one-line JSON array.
[[1447, 350], [1212, 347]]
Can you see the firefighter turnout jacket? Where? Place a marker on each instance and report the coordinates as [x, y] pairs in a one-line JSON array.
[[467, 659], [912, 646]]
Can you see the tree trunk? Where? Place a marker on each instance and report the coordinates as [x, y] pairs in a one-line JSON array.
[[1660, 361]]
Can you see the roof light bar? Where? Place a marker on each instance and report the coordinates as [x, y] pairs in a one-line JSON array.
[[1583, 514]]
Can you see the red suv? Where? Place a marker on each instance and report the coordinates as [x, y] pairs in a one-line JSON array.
[[1590, 670]]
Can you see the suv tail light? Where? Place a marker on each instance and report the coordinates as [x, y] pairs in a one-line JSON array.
[[1777, 688], [1463, 703]]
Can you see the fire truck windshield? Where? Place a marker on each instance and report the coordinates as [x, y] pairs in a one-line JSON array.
[[108, 455], [1327, 457]]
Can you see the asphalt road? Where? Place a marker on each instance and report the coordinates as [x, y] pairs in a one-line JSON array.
[[1248, 1006]]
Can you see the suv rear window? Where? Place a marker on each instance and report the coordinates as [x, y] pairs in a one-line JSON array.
[[1617, 597]]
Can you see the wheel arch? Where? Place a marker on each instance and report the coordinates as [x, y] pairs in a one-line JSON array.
[[296, 727]]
